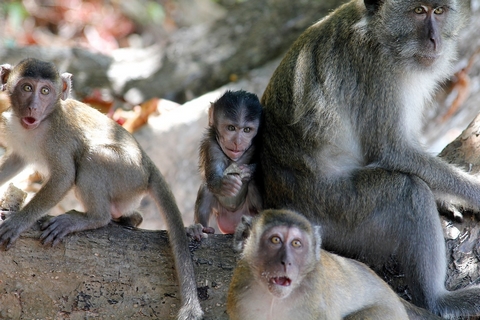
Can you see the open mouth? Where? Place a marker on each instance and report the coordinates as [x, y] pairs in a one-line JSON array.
[[281, 281], [29, 122]]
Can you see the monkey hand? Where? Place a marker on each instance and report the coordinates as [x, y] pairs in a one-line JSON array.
[[198, 231], [231, 185], [247, 171], [11, 228]]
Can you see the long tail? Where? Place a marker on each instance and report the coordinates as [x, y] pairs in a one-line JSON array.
[[461, 302], [165, 200]]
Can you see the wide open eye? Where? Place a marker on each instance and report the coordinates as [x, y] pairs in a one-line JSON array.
[[439, 10], [275, 240], [230, 128], [247, 129], [419, 10], [27, 88], [45, 91], [296, 243]]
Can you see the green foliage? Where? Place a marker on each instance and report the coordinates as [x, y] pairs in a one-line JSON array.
[[144, 12], [12, 15]]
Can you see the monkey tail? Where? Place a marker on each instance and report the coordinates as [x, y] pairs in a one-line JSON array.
[[165, 200], [462, 302]]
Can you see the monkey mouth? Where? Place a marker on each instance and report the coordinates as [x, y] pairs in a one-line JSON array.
[[427, 59], [29, 122], [281, 281], [234, 154]]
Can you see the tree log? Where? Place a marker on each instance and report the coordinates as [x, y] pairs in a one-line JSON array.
[[112, 273]]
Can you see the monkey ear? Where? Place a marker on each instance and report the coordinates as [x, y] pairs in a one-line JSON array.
[[242, 232], [373, 5], [210, 114], [317, 237], [66, 84], [5, 70]]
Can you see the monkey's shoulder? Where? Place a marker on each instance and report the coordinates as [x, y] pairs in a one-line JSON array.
[[92, 132], [346, 22], [83, 114], [352, 278]]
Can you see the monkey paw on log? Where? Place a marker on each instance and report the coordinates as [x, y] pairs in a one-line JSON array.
[[75, 146], [284, 274], [227, 164], [340, 139]]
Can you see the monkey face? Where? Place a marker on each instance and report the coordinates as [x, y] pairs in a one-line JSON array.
[[33, 99], [235, 137], [285, 259], [420, 33]]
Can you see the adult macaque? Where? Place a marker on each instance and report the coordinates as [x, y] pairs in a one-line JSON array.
[[73, 145], [284, 274], [347, 103], [227, 164]]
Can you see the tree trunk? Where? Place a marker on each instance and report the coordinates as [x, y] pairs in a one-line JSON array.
[[111, 272]]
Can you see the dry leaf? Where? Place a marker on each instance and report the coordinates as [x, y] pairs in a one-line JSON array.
[[133, 120], [461, 85]]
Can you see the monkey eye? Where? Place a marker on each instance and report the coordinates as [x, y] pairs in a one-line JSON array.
[[230, 128], [247, 129], [419, 10], [275, 240], [27, 88], [439, 10], [45, 91], [296, 243]]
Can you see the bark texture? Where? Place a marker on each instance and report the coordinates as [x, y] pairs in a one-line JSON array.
[[112, 273]]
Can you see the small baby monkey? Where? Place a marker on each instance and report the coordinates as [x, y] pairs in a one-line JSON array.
[[227, 164], [284, 274]]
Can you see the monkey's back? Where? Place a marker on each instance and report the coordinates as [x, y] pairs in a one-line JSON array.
[[304, 131], [102, 147]]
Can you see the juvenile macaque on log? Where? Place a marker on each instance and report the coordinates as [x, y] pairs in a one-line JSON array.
[[227, 164], [284, 274], [75, 146]]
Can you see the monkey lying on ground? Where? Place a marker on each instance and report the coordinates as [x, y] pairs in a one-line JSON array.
[[340, 140], [284, 274], [73, 145], [227, 164]]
